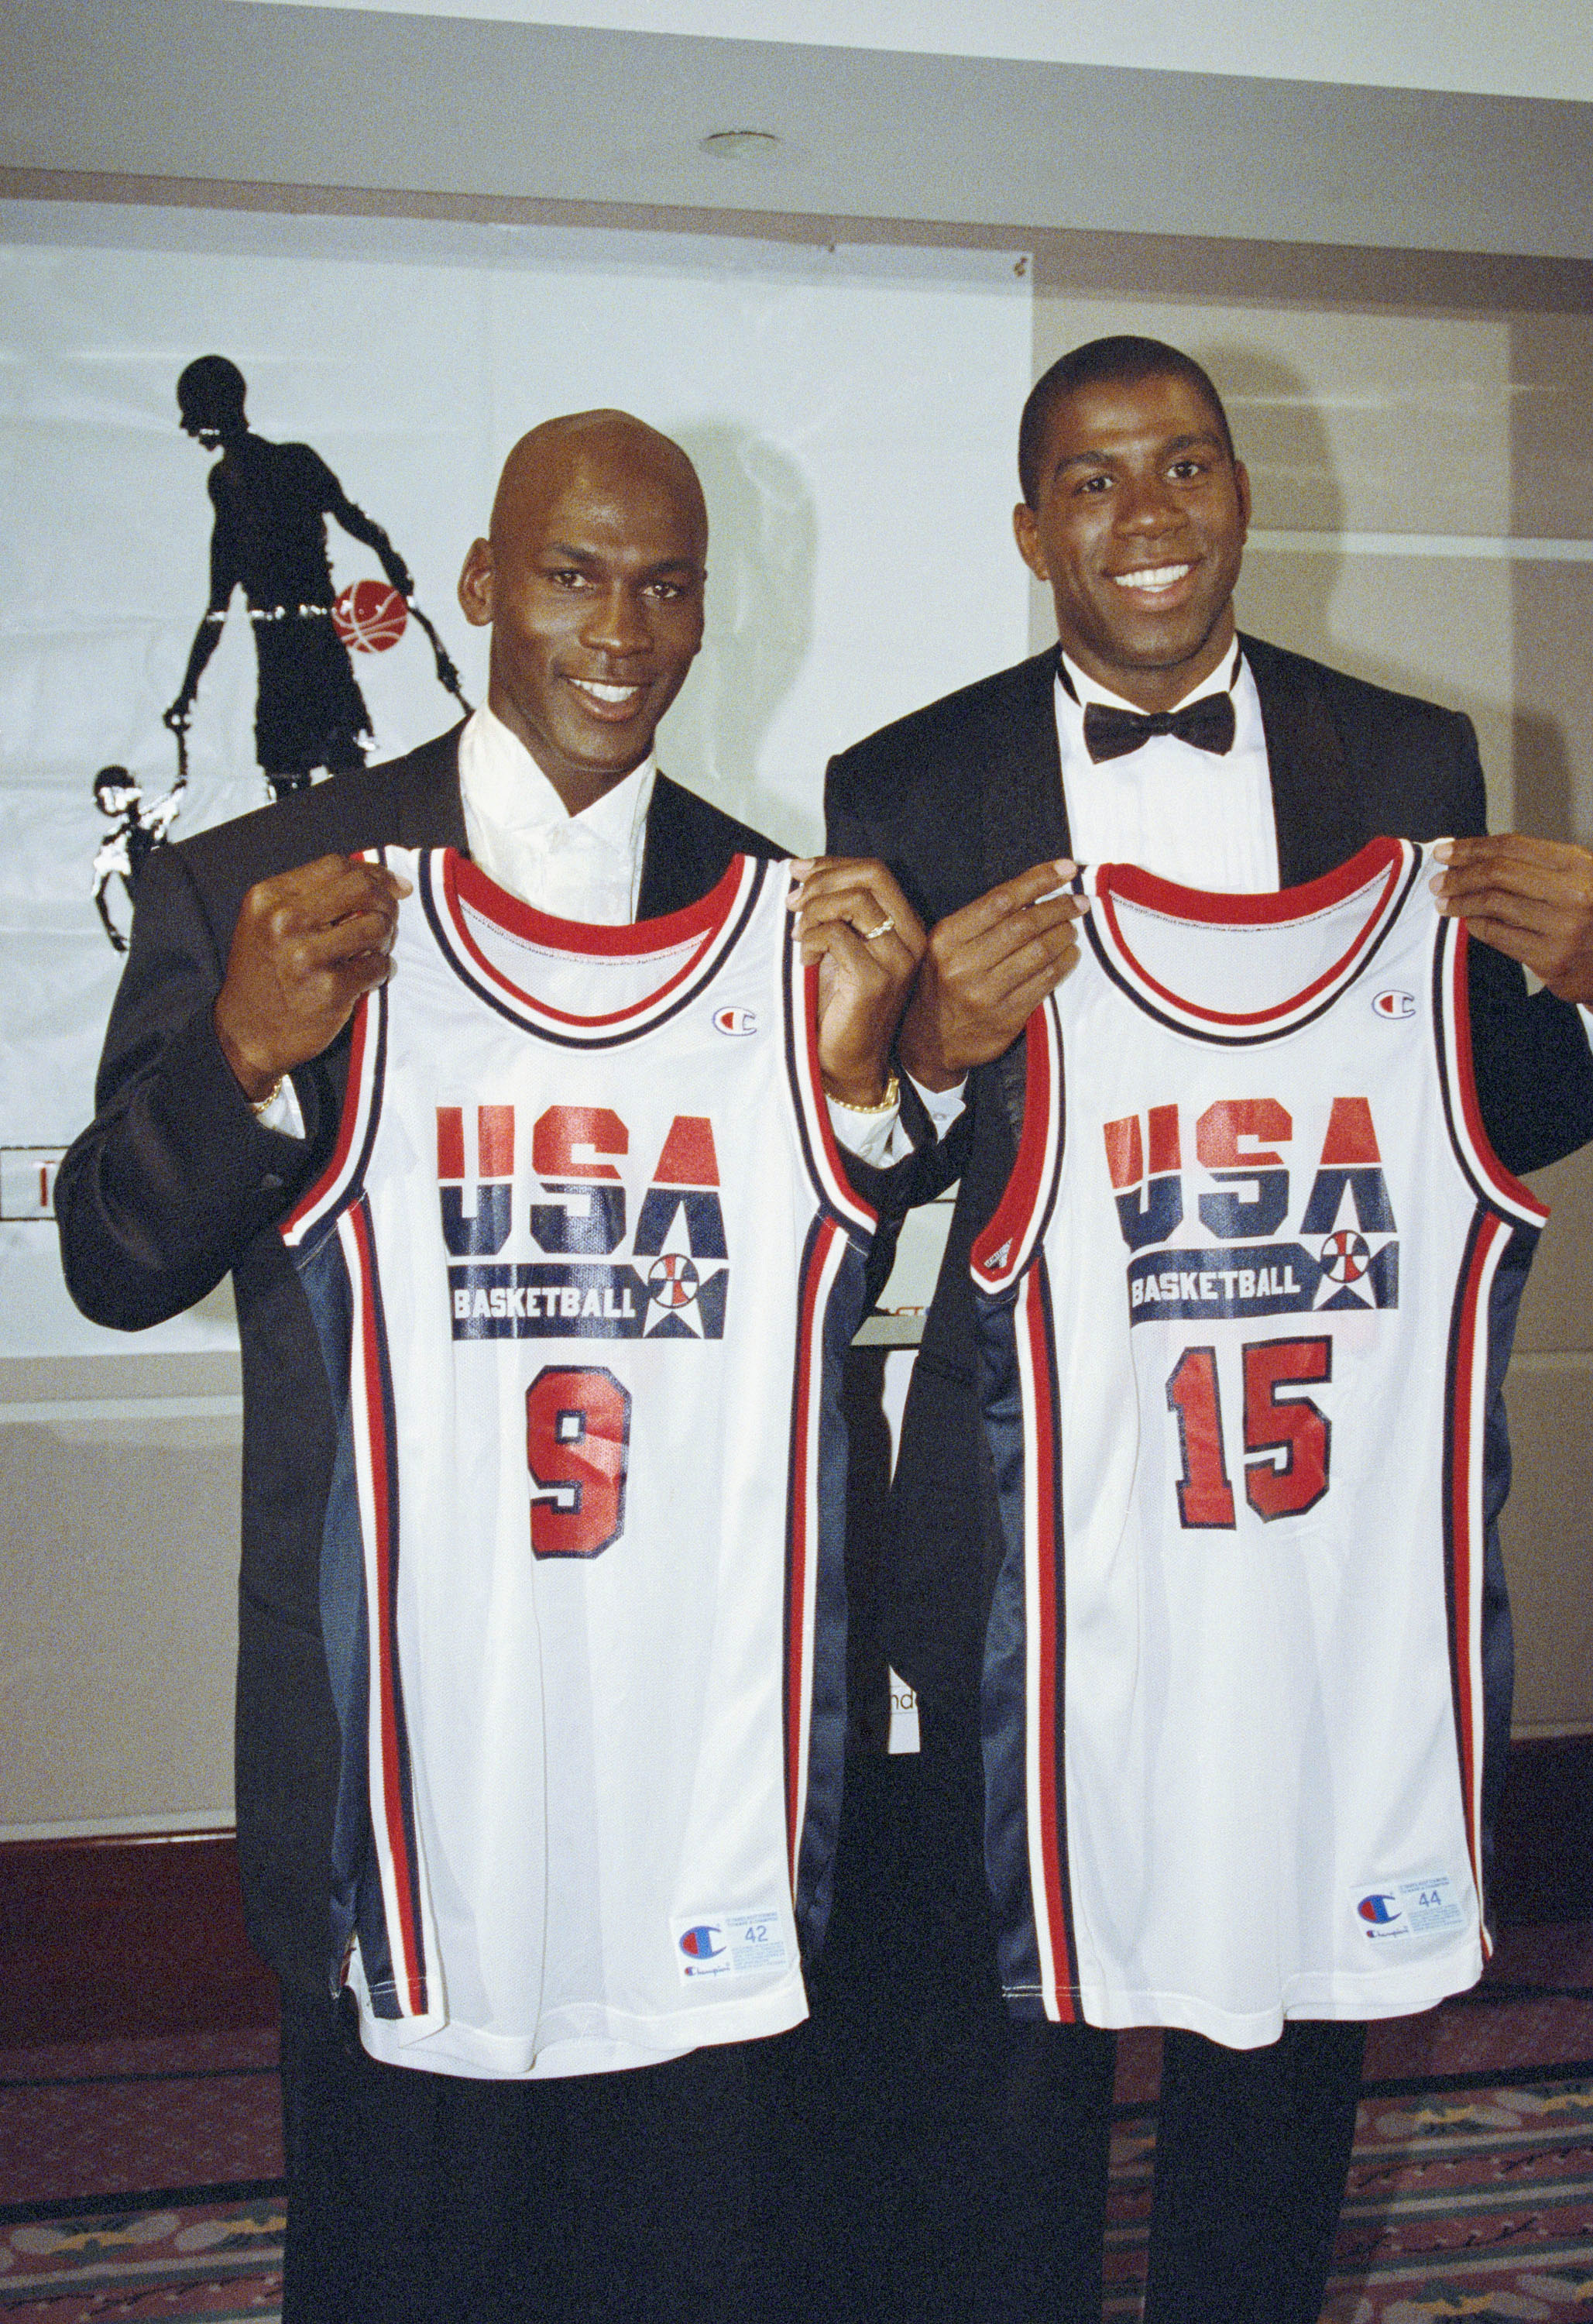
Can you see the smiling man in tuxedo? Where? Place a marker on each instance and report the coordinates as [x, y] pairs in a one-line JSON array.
[[1156, 734], [417, 2197]]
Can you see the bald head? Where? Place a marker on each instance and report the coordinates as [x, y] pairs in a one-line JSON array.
[[606, 445], [591, 579]]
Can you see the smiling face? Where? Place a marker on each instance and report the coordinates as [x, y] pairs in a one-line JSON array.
[[1138, 525], [591, 583]]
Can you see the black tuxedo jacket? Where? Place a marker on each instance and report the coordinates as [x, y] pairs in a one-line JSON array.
[[968, 792], [174, 1185]]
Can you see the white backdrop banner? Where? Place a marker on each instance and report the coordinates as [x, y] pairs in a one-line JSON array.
[[852, 413]]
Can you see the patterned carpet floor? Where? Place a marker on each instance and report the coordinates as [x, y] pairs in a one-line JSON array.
[[140, 2180]]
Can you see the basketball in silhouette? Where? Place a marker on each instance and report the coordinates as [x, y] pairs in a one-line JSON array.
[[369, 617]]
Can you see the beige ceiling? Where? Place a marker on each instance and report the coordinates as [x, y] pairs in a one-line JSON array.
[[481, 106]]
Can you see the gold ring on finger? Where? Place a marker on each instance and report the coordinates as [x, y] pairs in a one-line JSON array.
[[884, 928]]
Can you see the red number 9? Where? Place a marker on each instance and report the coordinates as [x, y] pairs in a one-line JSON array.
[[577, 1446]]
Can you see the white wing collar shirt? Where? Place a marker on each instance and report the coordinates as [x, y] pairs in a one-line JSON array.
[[577, 867], [1204, 819]]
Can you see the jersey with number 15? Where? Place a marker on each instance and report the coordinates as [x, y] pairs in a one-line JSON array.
[[1245, 1307], [584, 1266]]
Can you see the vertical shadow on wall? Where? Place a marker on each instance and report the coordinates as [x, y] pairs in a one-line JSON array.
[[762, 547], [1285, 595], [1551, 494]]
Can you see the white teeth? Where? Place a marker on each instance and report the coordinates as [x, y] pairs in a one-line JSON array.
[[1155, 576], [600, 693]]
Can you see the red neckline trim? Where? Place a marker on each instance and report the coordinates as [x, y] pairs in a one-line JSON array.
[[465, 883], [1379, 858]]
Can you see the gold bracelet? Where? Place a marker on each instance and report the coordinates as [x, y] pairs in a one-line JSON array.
[[891, 1099], [261, 1106]]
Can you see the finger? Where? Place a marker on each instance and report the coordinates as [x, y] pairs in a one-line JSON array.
[[863, 892], [1012, 896], [880, 964], [870, 918], [321, 894], [1532, 916], [349, 939], [1503, 938], [1502, 846], [1042, 964], [969, 958]]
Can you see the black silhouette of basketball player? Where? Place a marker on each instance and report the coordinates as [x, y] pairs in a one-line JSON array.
[[271, 502], [124, 852]]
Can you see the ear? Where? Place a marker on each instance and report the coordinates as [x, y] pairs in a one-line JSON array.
[[475, 585], [1026, 533], [1241, 478]]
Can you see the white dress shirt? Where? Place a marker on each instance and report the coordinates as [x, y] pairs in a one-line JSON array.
[[577, 867], [1182, 812]]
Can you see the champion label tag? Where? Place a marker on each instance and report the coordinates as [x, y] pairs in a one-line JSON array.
[[729, 1944]]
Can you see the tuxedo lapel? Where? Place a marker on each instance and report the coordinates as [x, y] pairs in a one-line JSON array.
[[1319, 823], [673, 872], [1023, 816], [426, 805]]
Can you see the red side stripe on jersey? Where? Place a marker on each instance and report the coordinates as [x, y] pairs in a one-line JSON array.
[[1055, 1934], [826, 1163], [387, 1705], [801, 1522], [1001, 1249], [362, 1055], [1467, 1387], [1472, 1144]]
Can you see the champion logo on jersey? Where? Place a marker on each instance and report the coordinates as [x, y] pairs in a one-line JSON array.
[[1379, 1910], [1395, 1004], [737, 1021], [704, 1943]]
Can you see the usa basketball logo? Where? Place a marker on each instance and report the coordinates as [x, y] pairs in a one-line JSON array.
[[1394, 1004], [672, 1280], [1345, 1256], [369, 617], [741, 1022]]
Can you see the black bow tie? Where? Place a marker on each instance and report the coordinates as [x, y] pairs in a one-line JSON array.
[[1112, 733]]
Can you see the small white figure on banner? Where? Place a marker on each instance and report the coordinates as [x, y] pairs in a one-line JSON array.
[[123, 854]]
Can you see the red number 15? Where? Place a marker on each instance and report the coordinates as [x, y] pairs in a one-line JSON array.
[[1288, 1438], [577, 1446]]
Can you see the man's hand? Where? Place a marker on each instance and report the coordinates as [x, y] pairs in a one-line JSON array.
[[853, 920], [987, 968], [307, 945], [1530, 897]]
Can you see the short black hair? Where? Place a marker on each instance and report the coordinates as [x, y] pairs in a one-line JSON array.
[[1120, 361]]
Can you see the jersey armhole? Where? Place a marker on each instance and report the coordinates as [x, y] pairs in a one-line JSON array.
[[822, 1154], [1001, 1251], [1451, 1010]]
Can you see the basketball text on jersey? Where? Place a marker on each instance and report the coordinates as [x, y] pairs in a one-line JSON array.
[[1246, 1306], [583, 1256]]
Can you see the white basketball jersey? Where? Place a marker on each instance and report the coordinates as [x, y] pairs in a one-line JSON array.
[[584, 1266], [1245, 1307]]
